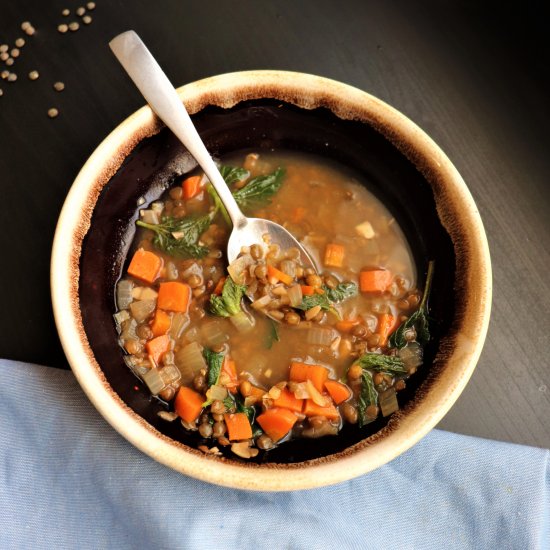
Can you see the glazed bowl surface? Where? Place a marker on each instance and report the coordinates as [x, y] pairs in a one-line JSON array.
[[263, 110]]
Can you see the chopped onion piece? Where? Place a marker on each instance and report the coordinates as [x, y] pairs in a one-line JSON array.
[[137, 366], [120, 317], [388, 402], [154, 381], [144, 293], [301, 390], [262, 302], [288, 267], [316, 396], [411, 355], [124, 293], [319, 336], [171, 271], [128, 330], [365, 230], [190, 361], [170, 374], [237, 268], [279, 290], [179, 322], [242, 321], [149, 216], [157, 207], [216, 393], [141, 309], [295, 296]]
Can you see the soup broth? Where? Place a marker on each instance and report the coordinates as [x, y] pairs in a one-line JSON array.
[[264, 350]]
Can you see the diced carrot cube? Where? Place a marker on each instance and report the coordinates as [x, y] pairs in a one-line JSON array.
[[312, 409], [157, 347], [188, 404], [375, 280], [191, 187], [161, 323], [174, 296], [277, 422], [300, 372], [287, 400], [145, 265], [334, 255], [238, 426]]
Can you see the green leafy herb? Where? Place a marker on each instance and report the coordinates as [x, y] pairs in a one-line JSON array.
[[249, 411], [229, 402], [233, 175], [273, 334], [259, 190], [418, 320], [179, 236], [368, 396], [382, 363], [229, 303], [341, 292], [214, 361], [218, 205], [315, 300]]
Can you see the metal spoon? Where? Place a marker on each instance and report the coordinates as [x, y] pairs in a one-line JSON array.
[[164, 100]]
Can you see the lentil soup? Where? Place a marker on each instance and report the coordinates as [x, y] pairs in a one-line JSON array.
[[263, 351]]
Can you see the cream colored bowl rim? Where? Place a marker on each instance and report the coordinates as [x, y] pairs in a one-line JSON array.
[[306, 91]]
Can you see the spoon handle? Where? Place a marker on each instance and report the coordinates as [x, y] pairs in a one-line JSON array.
[[155, 87]]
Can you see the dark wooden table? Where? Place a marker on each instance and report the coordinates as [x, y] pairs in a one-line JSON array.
[[476, 78]]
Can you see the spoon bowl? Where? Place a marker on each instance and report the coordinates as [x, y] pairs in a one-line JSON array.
[[162, 97]]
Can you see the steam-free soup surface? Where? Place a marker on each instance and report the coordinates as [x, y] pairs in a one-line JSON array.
[[264, 350]]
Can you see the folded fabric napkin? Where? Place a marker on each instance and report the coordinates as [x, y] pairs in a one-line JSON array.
[[68, 480]]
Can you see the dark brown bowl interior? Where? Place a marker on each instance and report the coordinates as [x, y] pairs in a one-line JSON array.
[[259, 124]]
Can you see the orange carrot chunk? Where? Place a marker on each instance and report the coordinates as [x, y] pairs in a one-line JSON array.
[[274, 273], [386, 324], [191, 187], [300, 372], [145, 265], [276, 423], [219, 286], [188, 404], [289, 401], [307, 290], [312, 409], [256, 392], [229, 368], [338, 391], [334, 255], [157, 347], [375, 280], [238, 426], [161, 323], [174, 296]]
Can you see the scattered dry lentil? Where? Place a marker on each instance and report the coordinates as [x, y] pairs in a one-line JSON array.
[[53, 112], [20, 42], [30, 30], [4, 48], [10, 61], [25, 25], [59, 86], [86, 19], [15, 52], [4, 56], [33, 75], [73, 26], [12, 77], [63, 28], [90, 5], [4, 74], [65, 12], [80, 11], [1, 92]]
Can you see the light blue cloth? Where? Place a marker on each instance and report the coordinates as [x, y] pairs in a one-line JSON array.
[[68, 480]]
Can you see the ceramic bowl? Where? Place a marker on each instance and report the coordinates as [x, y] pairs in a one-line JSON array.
[[273, 109]]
